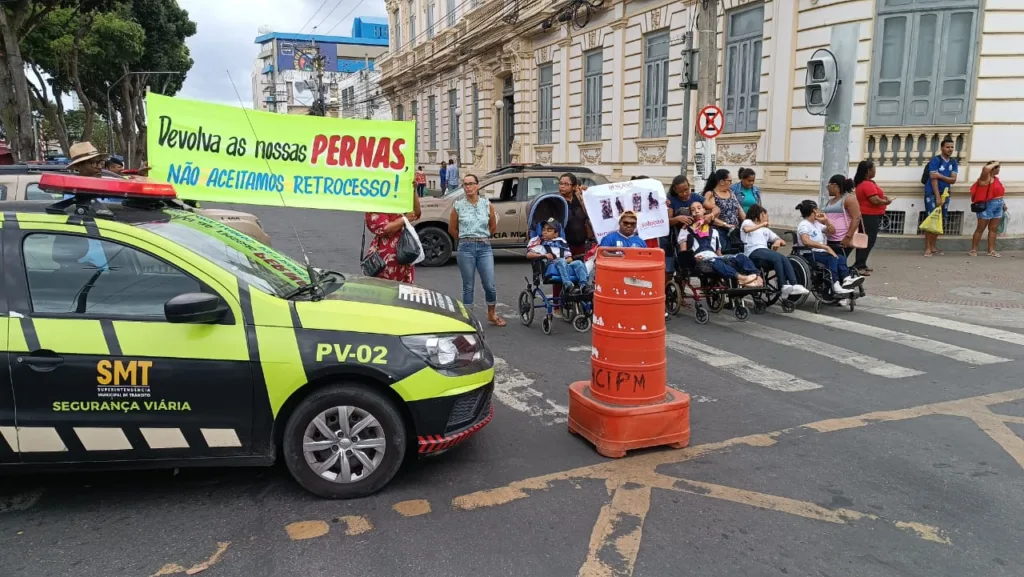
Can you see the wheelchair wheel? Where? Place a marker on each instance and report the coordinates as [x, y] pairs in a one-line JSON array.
[[569, 305], [760, 306], [774, 286], [742, 313], [526, 307], [788, 306], [817, 306], [545, 325], [803, 276], [701, 314], [581, 323], [852, 303], [673, 298]]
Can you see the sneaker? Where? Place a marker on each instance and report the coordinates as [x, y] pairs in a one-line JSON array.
[[787, 289], [798, 289], [839, 290], [850, 281]]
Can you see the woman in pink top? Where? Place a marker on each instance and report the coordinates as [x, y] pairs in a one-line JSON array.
[[843, 211]]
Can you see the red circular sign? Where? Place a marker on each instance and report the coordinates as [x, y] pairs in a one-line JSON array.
[[710, 121]]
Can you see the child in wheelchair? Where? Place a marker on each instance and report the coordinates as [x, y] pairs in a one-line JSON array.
[[810, 233], [701, 238], [551, 247]]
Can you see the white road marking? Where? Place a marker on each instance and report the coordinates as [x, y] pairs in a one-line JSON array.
[[869, 365], [515, 390], [927, 345], [738, 366], [585, 349], [507, 311], [987, 332]]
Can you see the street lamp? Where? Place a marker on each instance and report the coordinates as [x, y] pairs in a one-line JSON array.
[[110, 117]]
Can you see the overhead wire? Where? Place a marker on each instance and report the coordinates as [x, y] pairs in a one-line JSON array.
[[324, 3]]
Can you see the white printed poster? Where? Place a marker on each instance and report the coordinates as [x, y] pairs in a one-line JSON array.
[[645, 197]]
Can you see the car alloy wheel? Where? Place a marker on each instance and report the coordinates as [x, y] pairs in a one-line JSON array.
[[344, 444]]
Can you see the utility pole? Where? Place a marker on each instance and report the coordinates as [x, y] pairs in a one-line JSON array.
[[839, 111], [366, 83], [707, 84]]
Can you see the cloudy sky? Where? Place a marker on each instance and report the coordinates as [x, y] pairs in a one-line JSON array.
[[227, 28]]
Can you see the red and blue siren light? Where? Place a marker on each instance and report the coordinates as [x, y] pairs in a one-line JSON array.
[[105, 187]]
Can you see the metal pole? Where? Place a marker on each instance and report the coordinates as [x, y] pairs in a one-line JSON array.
[[687, 90], [839, 114], [366, 83], [707, 82]]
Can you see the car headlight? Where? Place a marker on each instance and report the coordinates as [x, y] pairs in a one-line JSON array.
[[450, 354]]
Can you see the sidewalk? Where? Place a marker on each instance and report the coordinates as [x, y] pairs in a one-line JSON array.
[[954, 278]]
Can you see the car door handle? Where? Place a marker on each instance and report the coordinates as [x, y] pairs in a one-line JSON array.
[[43, 360], [513, 211]]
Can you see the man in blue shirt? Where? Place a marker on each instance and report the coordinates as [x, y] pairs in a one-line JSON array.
[[626, 236], [942, 171]]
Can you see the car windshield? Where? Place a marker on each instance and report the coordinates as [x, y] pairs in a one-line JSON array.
[[454, 192], [248, 259]]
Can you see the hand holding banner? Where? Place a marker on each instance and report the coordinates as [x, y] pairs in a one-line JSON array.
[[217, 153]]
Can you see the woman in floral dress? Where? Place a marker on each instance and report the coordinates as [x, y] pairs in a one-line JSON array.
[[387, 229]]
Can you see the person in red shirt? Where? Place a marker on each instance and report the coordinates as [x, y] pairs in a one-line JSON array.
[[873, 203], [990, 191], [421, 182]]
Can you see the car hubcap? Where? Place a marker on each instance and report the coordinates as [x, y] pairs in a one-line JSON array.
[[344, 444], [431, 246]]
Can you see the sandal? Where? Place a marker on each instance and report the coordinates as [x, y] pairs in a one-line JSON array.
[[995, 254], [929, 254], [868, 269], [972, 253], [497, 321]]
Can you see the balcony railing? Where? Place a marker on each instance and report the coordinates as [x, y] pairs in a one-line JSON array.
[[912, 145]]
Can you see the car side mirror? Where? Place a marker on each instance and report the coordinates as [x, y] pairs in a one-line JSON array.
[[195, 308]]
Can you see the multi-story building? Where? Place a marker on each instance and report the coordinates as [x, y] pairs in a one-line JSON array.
[[498, 81], [285, 72]]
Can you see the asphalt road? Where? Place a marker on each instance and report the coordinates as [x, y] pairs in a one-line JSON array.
[[845, 444]]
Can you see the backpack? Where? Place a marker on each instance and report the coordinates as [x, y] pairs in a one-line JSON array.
[[926, 176]]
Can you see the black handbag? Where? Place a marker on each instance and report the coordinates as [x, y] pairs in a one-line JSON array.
[[980, 206], [408, 247], [371, 264]]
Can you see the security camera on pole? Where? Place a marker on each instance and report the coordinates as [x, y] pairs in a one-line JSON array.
[[828, 92]]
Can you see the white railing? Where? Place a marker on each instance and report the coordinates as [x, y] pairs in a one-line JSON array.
[[912, 145]]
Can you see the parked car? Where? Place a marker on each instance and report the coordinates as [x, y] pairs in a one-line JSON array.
[[21, 182], [511, 190]]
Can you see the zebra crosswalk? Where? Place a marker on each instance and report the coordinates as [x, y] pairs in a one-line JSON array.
[[887, 346]]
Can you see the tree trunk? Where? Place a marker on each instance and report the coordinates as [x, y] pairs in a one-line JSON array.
[[19, 128], [140, 122], [54, 112], [127, 110]]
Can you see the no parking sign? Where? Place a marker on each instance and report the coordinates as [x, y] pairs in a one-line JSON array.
[[710, 121]]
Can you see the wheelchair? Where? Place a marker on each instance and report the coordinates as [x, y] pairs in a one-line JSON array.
[[576, 308], [817, 278], [712, 293]]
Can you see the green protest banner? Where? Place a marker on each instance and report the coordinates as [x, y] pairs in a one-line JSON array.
[[217, 153]]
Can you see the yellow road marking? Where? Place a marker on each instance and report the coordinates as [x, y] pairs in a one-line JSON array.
[[355, 524], [302, 530], [174, 569], [413, 508], [625, 514]]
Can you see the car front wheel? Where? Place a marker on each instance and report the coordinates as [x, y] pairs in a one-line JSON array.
[[344, 442], [437, 246]]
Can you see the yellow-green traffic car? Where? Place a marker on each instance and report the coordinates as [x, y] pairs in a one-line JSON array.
[[137, 335]]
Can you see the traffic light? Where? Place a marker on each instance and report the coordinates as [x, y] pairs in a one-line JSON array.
[[822, 82]]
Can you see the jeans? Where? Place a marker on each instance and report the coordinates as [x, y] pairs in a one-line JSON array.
[[871, 224], [574, 272], [726, 266], [783, 268], [477, 257], [421, 189], [837, 266], [577, 251]]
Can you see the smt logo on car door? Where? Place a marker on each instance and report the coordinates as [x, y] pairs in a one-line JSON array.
[[98, 373]]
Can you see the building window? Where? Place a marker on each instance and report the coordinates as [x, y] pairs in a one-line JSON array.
[[430, 21], [399, 112], [743, 68], [546, 97], [451, 12], [432, 111], [412, 25], [396, 24], [655, 85], [923, 69], [476, 115], [592, 99], [453, 119]]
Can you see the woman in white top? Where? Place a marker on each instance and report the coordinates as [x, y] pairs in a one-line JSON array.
[[762, 245], [811, 233]]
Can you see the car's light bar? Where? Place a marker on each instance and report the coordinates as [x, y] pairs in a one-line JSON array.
[[105, 187]]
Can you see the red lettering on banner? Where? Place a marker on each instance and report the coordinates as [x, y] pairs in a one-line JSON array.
[[366, 152]]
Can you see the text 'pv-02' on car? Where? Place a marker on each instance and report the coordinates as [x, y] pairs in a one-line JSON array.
[[144, 336]]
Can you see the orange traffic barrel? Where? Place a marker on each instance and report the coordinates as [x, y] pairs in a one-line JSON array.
[[628, 356]]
